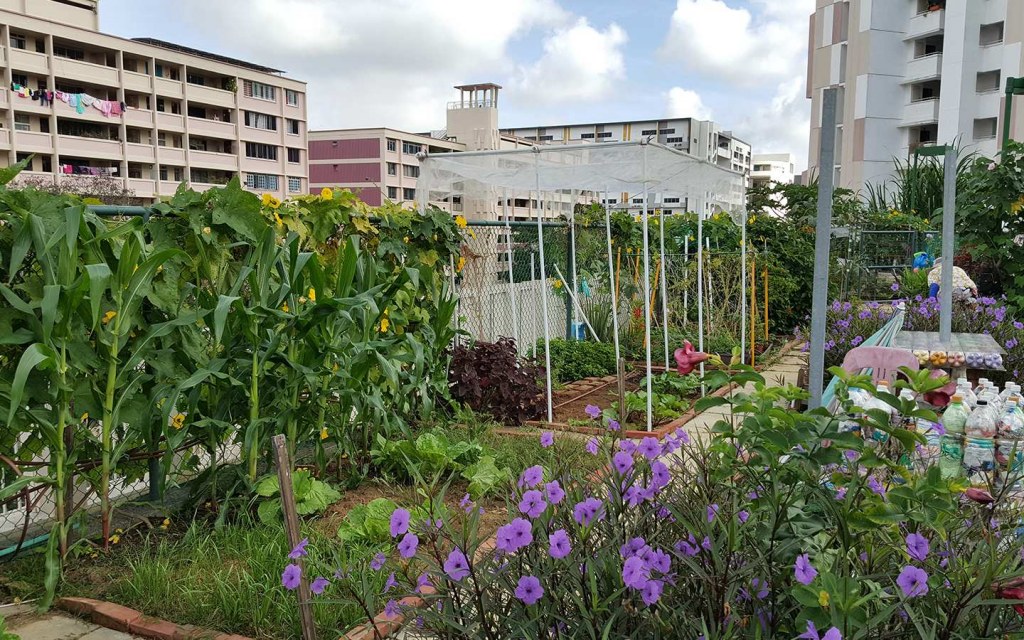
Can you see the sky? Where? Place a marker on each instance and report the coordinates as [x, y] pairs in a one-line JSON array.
[[393, 63]]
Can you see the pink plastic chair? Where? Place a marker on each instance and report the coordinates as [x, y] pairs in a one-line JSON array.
[[884, 362]]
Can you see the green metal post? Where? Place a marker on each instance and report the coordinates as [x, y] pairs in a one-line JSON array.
[[1014, 87], [570, 285]]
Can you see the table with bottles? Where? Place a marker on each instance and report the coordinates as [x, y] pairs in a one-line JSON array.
[[962, 352]]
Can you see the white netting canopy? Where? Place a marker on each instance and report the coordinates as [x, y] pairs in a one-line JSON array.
[[614, 167]]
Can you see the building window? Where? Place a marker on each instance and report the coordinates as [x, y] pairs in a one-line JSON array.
[[674, 140], [392, 169], [293, 126], [408, 194], [638, 200], [410, 147], [985, 128], [666, 132], [392, 193], [193, 78], [291, 97], [989, 81], [68, 52], [410, 171], [18, 41], [259, 90], [294, 185], [261, 181], [260, 151], [294, 155], [671, 200], [22, 122], [649, 132], [586, 136], [605, 134], [260, 121], [163, 71], [991, 33], [20, 79], [392, 144]]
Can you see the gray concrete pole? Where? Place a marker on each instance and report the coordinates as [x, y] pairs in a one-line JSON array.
[[948, 229], [822, 238]]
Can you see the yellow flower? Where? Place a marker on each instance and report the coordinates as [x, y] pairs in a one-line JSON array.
[[278, 220], [326, 193], [557, 283], [460, 264], [270, 201], [692, 239], [302, 299], [384, 324], [336, 367], [312, 294], [165, 524], [472, 234], [207, 230], [178, 421], [823, 598], [114, 539], [108, 316], [752, 220], [323, 433], [284, 307], [405, 239], [85, 416], [460, 222]]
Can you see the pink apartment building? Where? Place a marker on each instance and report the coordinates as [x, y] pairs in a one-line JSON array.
[[145, 113]]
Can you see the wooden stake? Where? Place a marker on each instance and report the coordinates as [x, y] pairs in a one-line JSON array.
[[621, 374], [291, 527], [766, 304], [753, 309]]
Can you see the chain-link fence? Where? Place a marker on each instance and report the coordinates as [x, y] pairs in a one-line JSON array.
[[869, 262]]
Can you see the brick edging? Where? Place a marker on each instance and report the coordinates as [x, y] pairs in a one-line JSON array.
[[114, 616]]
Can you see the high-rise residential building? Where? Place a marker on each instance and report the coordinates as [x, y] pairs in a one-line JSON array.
[[778, 168], [701, 138], [143, 114], [912, 73]]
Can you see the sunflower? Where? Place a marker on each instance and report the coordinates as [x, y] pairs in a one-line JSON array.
[[326, 194], [108, 316], [269, 200], [178, 421], [460, 222]]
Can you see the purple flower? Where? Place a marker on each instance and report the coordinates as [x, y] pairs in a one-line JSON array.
[[613, 425], [635, 573], [875, 485], [547, 439], [865, 314], [851, 455], [841, 493], [559, 545], [592, 447], [593, 411], [378, 561], [743, 516], [628, 446], [803, 570], [408, 545], [290, 577], [588, 511], [657, 559], [632, 548], [533, 503], [554, 492], [423, 584], [682, 436], [687, 547], [913, 581], [660, 475], [300, 550], [391, 610], [390, 583], [917, 547], [856, 341], [706, 543], [532, 476], [712, 512], [760, 588], [319, 585], [622, 461], [399, 522], [651, 592], [812, 633], [649, 448], [895, 286], [529, 590], [830, 345], [456, 566], [514, 536]]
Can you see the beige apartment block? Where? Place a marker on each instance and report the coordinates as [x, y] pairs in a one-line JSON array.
[[154, 114]]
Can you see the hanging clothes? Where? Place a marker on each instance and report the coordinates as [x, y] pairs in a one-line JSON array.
[[80, 107]]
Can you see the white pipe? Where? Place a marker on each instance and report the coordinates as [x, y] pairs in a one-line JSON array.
[[544, 293], [686, 278], [533, 308], [647, 298], [511, 275], [664, 285], [575, 277], [577, 306], [611, 274], [700, 293], [743, 288]]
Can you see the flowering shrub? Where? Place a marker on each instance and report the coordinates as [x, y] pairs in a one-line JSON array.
[[848, 324], [779, 526]]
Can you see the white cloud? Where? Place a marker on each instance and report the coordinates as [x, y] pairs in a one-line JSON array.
[[730, 43], [683, 103], [579, 63], [781, 125], [377, 62]]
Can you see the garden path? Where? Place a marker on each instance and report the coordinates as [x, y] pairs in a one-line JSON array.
[[56, 625]]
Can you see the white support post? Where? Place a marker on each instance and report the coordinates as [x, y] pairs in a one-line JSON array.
[[543, 285], [647, 295], [664, 284], [575, 276], [686, 278], [611, 274], [700, 293], [511, 275], [743, 288]]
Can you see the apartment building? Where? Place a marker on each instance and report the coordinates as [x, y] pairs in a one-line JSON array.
[[912, 73], [143, 113], [701, 138], [773, 168]]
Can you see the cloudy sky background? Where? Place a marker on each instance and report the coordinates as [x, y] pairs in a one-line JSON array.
[[393, 62]]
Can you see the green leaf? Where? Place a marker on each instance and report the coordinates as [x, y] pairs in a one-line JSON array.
[[269, 511], [484, 476], [36, 355], [709, 402], [99, 279], [53, 562], [220, 315], [267, 486], [320, 496], [10, 173]]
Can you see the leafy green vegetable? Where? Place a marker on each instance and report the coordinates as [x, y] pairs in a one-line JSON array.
[[368, 522], [311, 496], [484, 476]]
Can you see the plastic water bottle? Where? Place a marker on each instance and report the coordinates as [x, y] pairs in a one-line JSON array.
[[954, 422], [1011, 389], [963, 388], [860, 401], [982, 421]]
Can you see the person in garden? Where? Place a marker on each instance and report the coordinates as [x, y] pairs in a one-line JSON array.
[[963, 287]]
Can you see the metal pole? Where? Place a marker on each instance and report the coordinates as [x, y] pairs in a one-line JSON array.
[[611, 274], [1008, 110], [533, 317], [572, 233], [686, 279], [823, 233], [743, 287], [647, 296], [700, 292], [570, 248], [664, 286], [948, 228], [544, 293]]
